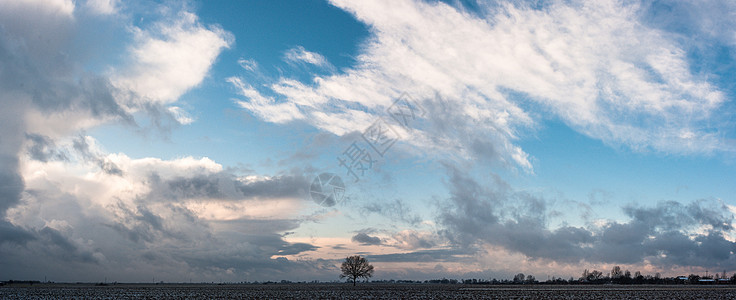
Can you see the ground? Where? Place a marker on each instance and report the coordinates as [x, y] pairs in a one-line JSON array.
[[363, 291]]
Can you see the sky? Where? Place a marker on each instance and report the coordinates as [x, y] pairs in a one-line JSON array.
[[197, 141]]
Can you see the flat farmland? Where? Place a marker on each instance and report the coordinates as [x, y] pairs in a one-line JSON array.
[[363, 291]]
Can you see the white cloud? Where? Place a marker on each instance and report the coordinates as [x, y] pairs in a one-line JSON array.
[[248, 64], [263, 106], [47, 74], [171, 57], [180, 115], [103, 7], [592, 64], [300, 55], [56, 7]]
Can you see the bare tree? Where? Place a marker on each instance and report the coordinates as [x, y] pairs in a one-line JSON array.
[[616, 272], [355, 267], [596, 275], [530, 278], [519, 278]]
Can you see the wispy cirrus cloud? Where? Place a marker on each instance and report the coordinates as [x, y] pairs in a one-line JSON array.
[[248, 64], [265, 107], [301, 55], [504, 69]]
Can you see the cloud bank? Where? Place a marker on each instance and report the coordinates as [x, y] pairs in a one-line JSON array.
[[95, 213], [665, 235]]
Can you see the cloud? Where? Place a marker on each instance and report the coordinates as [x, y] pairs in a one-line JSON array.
[[43, 88], [64, 8], [180, 115], [248, 64], [91, 153], [263, 106], [36, 79], [412, 240], [42, 148], [668, 234], [13, 234], [67, 203], [103, 7], [485, 80], [489, 78], [170, 58], [182, 217], [46, 96], [366, 239], [396, 210], [77, 212], [227, 186], [300, 55]]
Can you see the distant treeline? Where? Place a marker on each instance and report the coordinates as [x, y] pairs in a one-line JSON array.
[[30, 282], [615, 276]]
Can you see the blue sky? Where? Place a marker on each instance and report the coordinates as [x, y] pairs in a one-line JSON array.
[[179, 140]]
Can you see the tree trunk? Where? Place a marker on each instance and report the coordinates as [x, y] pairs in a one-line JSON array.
[[354, 281]]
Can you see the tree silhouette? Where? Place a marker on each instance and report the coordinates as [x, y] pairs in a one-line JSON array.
[[616, 272], [355, 267]]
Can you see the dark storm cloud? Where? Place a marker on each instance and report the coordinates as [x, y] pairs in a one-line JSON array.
[[253, 248], [239, 250], [209, 186], [138, 226], [52, 242], [33, 67], [11, 187], [42, 148], [296, 248], [259, 268], [145, 225], [280, 186], [517, 221], [224, 185], [169, 240], [58, 245], [9, 233], [366, 239], [11, 183]]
